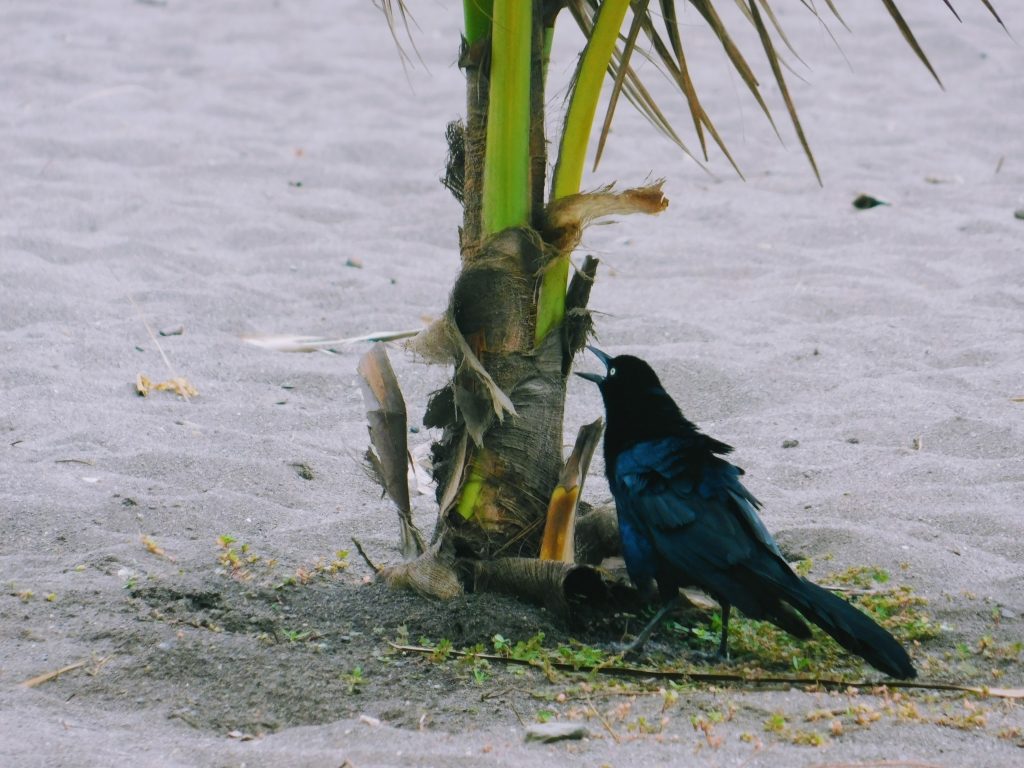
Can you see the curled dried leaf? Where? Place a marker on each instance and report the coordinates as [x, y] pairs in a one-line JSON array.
[[386, 415], [567, 217]]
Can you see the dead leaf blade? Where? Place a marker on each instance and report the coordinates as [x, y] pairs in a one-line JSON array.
[[387, 420]]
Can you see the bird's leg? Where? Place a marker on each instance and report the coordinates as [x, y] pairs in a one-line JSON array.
[[723, 645], [648, 630]]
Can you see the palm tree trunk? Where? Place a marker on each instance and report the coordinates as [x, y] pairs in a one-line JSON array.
[[498, 461]]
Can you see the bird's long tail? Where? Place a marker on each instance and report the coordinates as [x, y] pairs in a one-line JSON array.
[[851, 628]]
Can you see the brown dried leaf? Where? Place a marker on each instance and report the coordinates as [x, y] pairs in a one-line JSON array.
[[385, 412], [567, 217]]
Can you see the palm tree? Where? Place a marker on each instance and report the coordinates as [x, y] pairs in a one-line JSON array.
[[514, 320]]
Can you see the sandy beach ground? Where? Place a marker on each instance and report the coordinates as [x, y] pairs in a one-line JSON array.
[[233, 168]]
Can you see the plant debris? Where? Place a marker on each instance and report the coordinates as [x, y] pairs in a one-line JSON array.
[[303, 470], [178, 385], [865, 202], [549, 732]]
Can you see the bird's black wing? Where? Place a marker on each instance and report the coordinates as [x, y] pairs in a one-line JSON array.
[[677, 483]]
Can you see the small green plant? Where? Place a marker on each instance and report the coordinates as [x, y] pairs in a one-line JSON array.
[[581, 656], [478, 666], [775, 723], [525, 650], [643, 726], [809, 738], [442, 651], [235, 560], [354, 680]]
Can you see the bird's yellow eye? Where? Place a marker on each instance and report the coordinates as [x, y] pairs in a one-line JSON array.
[[611, 371]]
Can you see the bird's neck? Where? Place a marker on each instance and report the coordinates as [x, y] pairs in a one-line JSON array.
[[641, 420]]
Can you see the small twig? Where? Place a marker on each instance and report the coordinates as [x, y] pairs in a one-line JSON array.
[[491, 694], [604, 721], [359, 548], [857, 590], [88, 462], [46, 677], [516, 713]]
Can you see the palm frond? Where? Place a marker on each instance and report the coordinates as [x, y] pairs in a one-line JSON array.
[[992, 10], [395, 10], [904, 29], [627, 50], [663, 30], [773, 60]]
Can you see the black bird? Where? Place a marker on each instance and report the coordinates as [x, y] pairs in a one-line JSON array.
[[685, 520]]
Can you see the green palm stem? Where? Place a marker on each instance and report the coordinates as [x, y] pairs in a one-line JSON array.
[[506, 199], [477, 14], [507, 187], [572, 149]]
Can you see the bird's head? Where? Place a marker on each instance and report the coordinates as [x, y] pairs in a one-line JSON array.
[[625, 377], [637, 406]]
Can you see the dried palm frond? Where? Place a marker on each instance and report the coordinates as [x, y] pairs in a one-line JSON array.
[[388, 8]]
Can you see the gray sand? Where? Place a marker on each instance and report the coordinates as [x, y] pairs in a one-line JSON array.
[[214, 166]]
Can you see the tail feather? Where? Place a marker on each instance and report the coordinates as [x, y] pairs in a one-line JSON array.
[[851, 628]]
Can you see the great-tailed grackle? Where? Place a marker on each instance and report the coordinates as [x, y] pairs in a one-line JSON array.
[[686, 520]]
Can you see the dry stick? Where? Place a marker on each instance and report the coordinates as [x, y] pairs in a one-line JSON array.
[[604, 721], [369, 562], [516, 713], [152, 336], [858, 591], [731, 677], [46, 677]]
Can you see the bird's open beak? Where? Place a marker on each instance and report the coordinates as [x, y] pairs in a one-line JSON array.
[[604, 358]]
